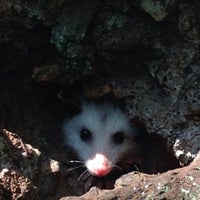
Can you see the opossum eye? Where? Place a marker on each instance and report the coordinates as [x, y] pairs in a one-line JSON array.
[[85, 134], [118, 138]]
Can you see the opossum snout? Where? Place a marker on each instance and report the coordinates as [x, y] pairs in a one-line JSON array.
[[99, 165]]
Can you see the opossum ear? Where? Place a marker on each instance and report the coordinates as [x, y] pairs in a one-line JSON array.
[[64, 99], [71, 96]]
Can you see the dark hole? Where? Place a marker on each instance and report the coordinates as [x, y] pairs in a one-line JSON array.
[[34, 115], [155, 156]]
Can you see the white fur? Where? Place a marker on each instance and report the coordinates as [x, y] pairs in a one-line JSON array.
[[102, 121]]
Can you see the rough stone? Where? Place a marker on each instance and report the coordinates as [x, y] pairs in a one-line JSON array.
[[180, 183], [158, 9], [145, 53]]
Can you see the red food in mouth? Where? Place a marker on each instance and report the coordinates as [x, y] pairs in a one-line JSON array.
[[99, 165]]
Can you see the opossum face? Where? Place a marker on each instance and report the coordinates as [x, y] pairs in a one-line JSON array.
[[101, 136]]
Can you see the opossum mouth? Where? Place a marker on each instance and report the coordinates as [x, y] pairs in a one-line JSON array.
[[99, 165], [107, 181]]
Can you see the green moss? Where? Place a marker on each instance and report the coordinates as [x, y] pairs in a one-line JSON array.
[[35, 10], [67, 36], [159, 10], [43, 10], [115, 22], [61, 36]]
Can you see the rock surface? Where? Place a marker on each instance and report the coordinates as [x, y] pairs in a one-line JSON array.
[[144, 52], [14, 172], [180, 183]]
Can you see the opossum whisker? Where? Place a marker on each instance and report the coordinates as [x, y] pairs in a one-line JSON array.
[[74, 168], [131, 165], [75, 161], [137, 169], [117, 167], [85, 172]]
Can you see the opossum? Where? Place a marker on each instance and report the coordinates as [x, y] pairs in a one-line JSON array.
[[103, 138]]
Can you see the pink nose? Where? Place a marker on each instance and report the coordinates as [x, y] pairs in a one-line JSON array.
[[99, 165]]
